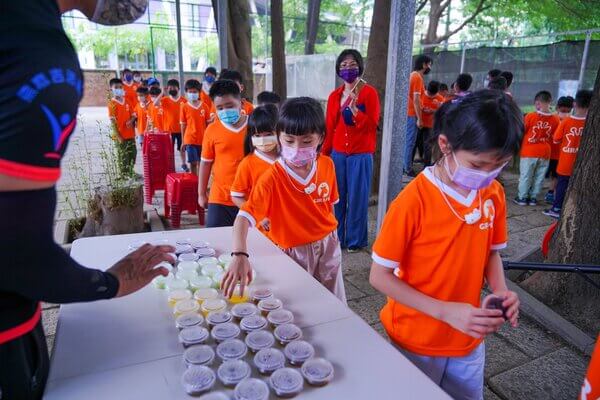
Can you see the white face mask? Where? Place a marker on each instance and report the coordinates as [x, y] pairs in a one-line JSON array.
[[265, 143], [118, 12]]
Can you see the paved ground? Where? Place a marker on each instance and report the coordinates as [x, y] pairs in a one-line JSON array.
[[523, 363]]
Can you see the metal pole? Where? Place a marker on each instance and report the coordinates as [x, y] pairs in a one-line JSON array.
[[222, 23], [117, 54], [396, 103], [179, 44], [586, 49], [462, 58], [153, 62]]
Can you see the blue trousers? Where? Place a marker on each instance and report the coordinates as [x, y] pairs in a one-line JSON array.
[[561, 190], [409, 143], [354, 174], [220, 215]]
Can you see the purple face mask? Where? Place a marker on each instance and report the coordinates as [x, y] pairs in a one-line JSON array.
[[349, 74], [471, 179], [298, 156]]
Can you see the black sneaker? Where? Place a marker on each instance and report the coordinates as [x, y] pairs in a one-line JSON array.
[[552, 212], [549, 199], [353, 249], [185, 168], [532, 202], [519, 201]]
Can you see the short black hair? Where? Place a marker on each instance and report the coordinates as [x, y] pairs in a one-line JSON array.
[[433, 87], [443, 86], [565, 101], [223, 87], [173, 82], [498, 83], [301, 115], [350, 53], [508, 76], [142, 90], [115, 81], [232, 75], [420, 62], [268, 98], [262, 119], [544, 96], [211, 70], [464, 81], [126, 70], [136, 72], [494, 73], [154, 91], [193, 84], [583, 98], [486, 120]]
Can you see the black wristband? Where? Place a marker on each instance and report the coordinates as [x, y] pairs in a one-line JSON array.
[[240, 253]]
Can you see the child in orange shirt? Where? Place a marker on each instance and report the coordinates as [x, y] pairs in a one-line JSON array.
[[171, 108], [129, 87], [155, 113], [590, 390], [141, 114], [210, 76], [297, 195], [430, 102], [564, 106], [535, 149], [193, 119], [122, 120], [222, 152], [233, 75], [568, 135], [440, 240]]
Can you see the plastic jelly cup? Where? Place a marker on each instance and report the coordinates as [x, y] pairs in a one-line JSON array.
[[269, 305], [160, 282], [176, 284], [232, 372], [186, 306], [219, 395], [186, 275], [200, 282], [286, 382], [190, 265], [178, 295], [269, 360], [287, 333], [212, 305], [188, 320], [259, 340], [193, 335], [199, 244], [217, 279], [226, 331], [259, 294], [242, 310], [164, 264], [188, 257], [225, 259], [208, 261], [183, 248], [238, 296], [298, 351], [253, 323], [200, 354], [203, 294], [251, 389], [218, 317], [232, 349], [211, 270], [317, 371], [206, 252], [280, 317], [183, 241], [198, 379]]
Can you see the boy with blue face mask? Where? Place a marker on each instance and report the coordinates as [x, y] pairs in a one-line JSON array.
[[210, 76], [193, 118], [123, 119]]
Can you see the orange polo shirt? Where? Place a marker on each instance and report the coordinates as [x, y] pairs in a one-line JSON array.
[[415, 85], [121, 112], [555, 147], [568, 134], [300, 210], [155, 114], [142, 118], [205, 98], [223, 146], [250, 169], [590, 390], [539, 129], [171, 112], [430, 104], [439, 255], [130, 93], [195, 119]]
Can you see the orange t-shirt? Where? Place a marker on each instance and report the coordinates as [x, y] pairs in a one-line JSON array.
[[205, 98], [590, 390], [155, 114], [171, 109], [141, 113], [247, 108], [539, 129], [429, 105], [415, 85], [195, 119], [568, 134], [224, 147], [439, 255], [296, 217], [131, 94], [250, 169], [121, 112], [555, 147]]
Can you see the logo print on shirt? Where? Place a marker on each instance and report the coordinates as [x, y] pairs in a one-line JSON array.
[[540, 132], [61, 129], [489, 213], [323, 190], [570, 147]]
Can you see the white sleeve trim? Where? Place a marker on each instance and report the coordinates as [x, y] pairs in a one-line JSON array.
[[335, 202], [206, 159], [237, 194], [384, 262], [498, 246], [250, 218]]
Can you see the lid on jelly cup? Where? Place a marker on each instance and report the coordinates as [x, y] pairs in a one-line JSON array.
[[242, 310], [270, 304], [160, 281], [231, 372], [199, 244], [198, 379], [298, 351], [201, 282], [179, 294], [204, 294], [164, 264], [188, 320], [317, 370], [253, 322], [176, 284], [215, 396], [225, 259], [259, 340], [251, 389], [218, 317], [183, 248], [286, 381], [281, 316], [199, 354], [193, 335], [288, 333], [225, 331], [214, 305], [261, 293], [206, 252], [186, 306], [186, 274], [211, 269], [189, 265], [183, 241], [232, 349], [269, 359], [217, 279], [188, 257]]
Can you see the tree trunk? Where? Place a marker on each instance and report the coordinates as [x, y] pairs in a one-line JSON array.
[[376, 70], [239, 43], [278, 49], [577, 237], [312, 25]]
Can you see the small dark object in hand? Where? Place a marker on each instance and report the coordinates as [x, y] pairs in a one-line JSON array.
[[495, 303]]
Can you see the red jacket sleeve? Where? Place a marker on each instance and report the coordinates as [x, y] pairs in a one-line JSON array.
[[333, 108], [368, 121]]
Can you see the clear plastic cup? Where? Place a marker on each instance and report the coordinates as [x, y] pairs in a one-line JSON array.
[[178, 295], [186, 275], [259, 294], [183, 248], [225, 259], [203, 294], [211, 270], [226, 331], [280, 317], [251, 389], [188, 320], [232, 372], [212, 305], [199, 244], [206, 252], [176, 284], [160, 282], [162, 242], [238, 296], [242, 310], [218, 317], [164, 264], [208, 261], [200, 282], [232, 349], [188, 257], [199, 354], [198, 379], [298, 351], [253, 323], [183, 241], [191, 265], [317, 371], [219, 395], [217, 279], [287, 333], [259, 340], [286, 382], [269, 305], [186, 306], [193, 335], [269, 360]]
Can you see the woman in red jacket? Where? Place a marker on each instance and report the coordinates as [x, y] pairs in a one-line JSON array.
[[351, 122]]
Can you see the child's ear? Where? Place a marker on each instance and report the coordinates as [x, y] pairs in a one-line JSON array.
[[444, 144]]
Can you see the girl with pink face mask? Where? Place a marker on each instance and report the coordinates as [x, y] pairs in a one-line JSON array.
[[296, 194], [440, 243]]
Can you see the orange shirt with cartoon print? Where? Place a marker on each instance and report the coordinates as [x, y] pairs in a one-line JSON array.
[[155, 116], [429, 105], [439, 255], [300, 211], [141, 112], [415, 85], [223, 145], [539, 129], [195, 119], [568, 135], [171, 109], [121, 112]]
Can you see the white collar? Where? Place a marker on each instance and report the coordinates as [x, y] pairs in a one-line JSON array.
[[298, 178], [191, 105], [543, 113], [465, 201], [578, 118], [263, 157], [232, 128]]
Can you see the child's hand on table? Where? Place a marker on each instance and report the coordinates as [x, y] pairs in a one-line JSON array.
[[473, 321], [239, 271]]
